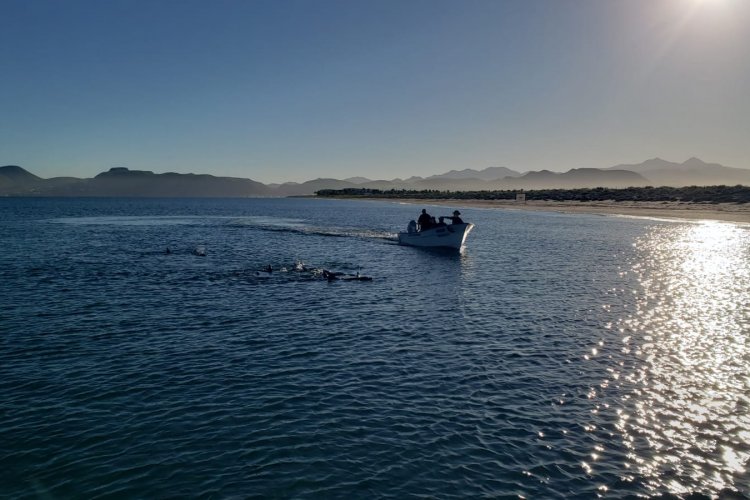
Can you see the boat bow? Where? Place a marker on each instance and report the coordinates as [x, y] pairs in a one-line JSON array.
[[449, 236]]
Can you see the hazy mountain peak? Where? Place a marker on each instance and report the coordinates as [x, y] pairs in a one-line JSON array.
[[17, 173], [487, 174], [124, 172], [694, 162], [648, 165], [357, 180]]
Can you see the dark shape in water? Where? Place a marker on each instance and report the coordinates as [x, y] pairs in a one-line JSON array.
[[334, 276]]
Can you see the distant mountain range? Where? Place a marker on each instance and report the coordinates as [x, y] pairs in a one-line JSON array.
[[15, 181]]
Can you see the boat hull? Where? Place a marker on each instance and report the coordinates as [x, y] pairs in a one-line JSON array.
[[452, 236]]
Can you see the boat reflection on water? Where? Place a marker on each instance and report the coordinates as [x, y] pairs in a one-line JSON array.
[[684, 409]]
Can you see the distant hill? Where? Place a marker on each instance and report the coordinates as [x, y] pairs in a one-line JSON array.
[[357, 180], [310, 187], [488, 174], [123, 182], [120, 181], [446, 183], [652, 164], [385, 185], [14, 173], [578, 178], [14, 177], [14, 180], [692, 172]]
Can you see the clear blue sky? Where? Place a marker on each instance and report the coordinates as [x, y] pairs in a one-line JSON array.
[[293, 90]]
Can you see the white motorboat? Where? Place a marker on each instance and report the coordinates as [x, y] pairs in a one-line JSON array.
[[446, 236]]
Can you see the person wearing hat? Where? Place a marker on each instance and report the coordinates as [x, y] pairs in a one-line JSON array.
[[456, 219]]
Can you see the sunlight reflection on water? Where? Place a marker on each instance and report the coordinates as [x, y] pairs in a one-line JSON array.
[[684, 414]]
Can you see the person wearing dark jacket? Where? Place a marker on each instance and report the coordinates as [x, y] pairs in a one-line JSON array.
[[424, 221], [456, 219]]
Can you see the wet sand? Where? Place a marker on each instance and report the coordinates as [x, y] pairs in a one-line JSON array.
[[731, 212]]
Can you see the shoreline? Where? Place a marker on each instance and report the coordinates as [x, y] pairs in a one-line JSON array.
[[726, 212]]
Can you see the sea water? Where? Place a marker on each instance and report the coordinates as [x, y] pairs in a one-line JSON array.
[[557, 356]]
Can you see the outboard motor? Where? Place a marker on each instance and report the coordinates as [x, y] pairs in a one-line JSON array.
[[412, 227]]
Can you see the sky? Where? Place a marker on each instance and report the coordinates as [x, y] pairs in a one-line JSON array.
[[291, 90]]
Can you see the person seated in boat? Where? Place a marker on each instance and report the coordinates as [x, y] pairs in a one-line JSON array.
[[441, 222], [456, 219], [424, 221]]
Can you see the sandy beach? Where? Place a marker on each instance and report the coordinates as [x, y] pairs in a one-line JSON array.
[[730, 212]]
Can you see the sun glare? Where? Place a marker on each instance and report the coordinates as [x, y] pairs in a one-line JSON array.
[[710, 3], [691, 385]]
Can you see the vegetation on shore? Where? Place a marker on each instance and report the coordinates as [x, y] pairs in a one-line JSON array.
[[692, 194]]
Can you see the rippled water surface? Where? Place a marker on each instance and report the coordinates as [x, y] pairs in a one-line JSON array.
[[558, 356]]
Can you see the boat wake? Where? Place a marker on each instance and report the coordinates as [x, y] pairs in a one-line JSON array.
[[262, 223], [300, 227], [150, 220]]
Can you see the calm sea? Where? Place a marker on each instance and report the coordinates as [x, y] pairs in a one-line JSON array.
[[559, 356]]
